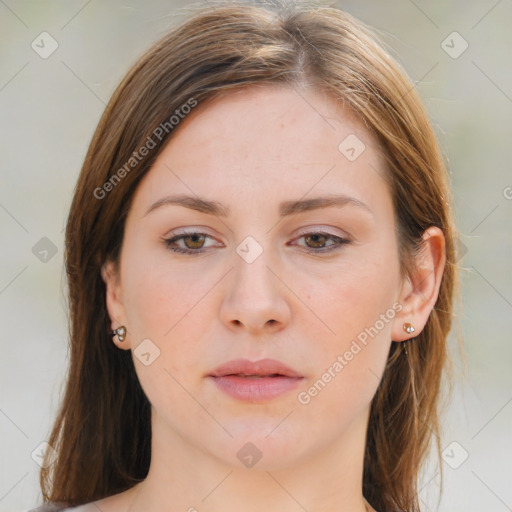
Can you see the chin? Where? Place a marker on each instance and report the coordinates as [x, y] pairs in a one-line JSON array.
[[253, 448]]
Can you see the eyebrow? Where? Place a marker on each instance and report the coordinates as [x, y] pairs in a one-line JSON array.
[[286, 208]]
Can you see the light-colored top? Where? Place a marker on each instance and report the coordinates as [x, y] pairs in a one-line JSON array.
[[57, 507]]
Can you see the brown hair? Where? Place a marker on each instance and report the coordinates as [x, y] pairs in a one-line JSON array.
[[102, 432]]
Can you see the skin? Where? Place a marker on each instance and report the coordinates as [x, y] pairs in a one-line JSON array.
[[250, 150]]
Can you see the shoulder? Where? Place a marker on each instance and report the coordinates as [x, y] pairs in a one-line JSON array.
[[61, 507], [48, 507], [113, 503]]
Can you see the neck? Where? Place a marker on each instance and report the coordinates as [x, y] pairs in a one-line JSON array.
[[186, 477]]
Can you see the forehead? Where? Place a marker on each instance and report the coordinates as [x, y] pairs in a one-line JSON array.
[[265, 120], [266, 141]]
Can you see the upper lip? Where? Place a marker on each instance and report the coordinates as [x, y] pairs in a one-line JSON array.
[[263, 368]]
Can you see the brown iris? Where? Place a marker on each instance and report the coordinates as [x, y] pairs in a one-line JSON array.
[[196, 239], [317, 239]]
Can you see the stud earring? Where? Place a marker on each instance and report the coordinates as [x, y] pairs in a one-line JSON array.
[[120, 332], [408, 328]]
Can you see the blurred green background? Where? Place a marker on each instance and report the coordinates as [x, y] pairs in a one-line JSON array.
[[50, 107]]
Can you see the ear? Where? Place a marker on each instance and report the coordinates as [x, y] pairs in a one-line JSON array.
[[421, 288], [114, 302]]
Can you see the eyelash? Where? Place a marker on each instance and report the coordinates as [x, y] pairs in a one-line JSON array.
[[339, 242]]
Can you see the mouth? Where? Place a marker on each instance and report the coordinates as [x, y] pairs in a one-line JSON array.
[[255, 382]]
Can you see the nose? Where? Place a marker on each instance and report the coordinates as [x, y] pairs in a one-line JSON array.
[[255, 300]]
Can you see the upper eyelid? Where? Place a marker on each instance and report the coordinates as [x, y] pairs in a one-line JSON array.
[[302, 231], [316, 230]]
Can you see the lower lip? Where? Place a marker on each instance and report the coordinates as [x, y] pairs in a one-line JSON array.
[[250, 389]]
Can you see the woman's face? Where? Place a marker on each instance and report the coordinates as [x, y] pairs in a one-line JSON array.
[[293, 257]]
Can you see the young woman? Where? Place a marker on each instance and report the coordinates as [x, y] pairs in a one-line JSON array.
[[261, 266]]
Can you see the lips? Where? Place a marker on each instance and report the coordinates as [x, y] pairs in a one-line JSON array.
[[261, 368], [257, 381]]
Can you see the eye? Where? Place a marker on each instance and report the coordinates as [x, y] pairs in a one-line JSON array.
[[194, 242], [316, 242]]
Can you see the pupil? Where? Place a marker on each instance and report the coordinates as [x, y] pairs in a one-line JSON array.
[[195, 240], [317, 239]]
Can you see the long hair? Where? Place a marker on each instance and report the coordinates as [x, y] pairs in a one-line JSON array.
[[102, 432]]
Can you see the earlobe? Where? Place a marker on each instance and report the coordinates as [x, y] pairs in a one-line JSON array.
[[113, 299], [420, 292]]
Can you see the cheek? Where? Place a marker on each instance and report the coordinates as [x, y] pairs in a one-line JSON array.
[[163, 307], [158, 297], [357, 306], [354, 295]]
